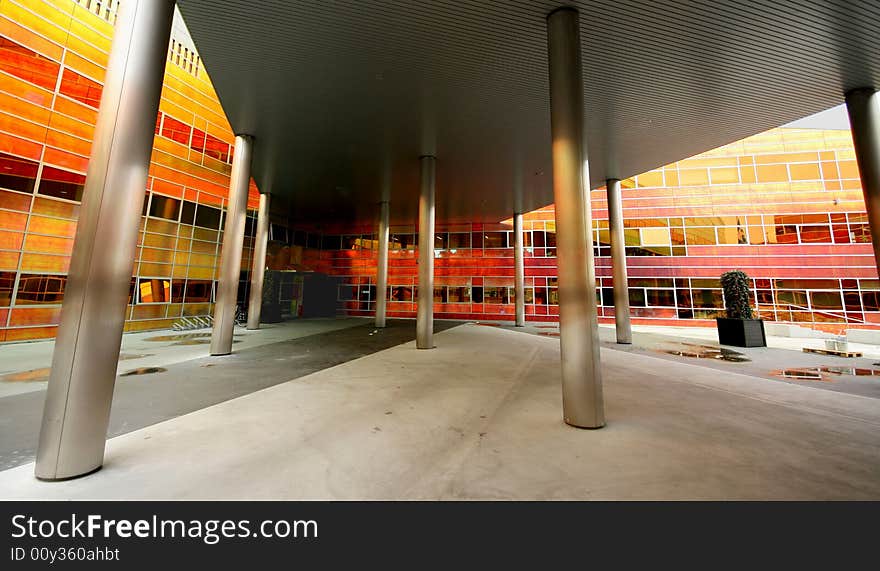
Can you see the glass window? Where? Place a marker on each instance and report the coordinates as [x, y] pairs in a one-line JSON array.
[[494, 239], [401, 293], [17, 174], [459, 240], [330, 242], [154, 290], [176, 130], [852, 301], [636, 297], [210, 145], [61, 184], [495, 295], [707, 298], [660, 297], [871, 300], [655, 237], [28, 65], [815, 234], [401, 242], [825, 300], [458, 295], [40, 289], [198, 291], [81, 88], [7, 282], [477, 294], [207, 217], [164, 207], [188, 212]]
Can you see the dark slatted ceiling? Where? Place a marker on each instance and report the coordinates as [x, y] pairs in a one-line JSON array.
[[344, 95]]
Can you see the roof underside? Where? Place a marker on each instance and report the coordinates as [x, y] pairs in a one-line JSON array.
[[344, 96]]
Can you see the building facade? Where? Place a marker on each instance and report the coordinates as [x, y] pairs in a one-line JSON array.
[[52, 60], [785, 206]]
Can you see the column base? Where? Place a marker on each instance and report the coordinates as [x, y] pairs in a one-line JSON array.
[[221, 354], [583, 427], [66, 478]]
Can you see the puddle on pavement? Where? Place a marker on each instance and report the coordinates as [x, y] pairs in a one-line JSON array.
[[707, 352], [180, 337], [143, 371], [32, 376], [203, 338], [824, 373], [127, 356]]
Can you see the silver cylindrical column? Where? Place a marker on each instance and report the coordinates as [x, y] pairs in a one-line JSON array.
[[519, 279], [77, 407], [863, 106], [618, 262], [382, 265], [578, 325], [425, 314], [258, 267], [230, 251]]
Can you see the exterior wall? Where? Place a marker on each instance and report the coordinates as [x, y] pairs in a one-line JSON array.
[[785, 206], [53, 55]]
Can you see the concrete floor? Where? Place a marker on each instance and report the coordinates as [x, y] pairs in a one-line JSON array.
[[193, 380], [479, 417]]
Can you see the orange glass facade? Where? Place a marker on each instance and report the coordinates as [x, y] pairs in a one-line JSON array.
[[53, 54], [785, 206]]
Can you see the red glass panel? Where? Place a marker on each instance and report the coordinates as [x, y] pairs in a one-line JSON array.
[[26, 64], [17, 174], [81, 88], [61, 184], [176, 130]]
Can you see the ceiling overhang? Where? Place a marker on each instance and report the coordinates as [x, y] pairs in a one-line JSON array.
[[343, 97]]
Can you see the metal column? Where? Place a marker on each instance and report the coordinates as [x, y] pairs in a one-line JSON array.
[[578, 325], [425, 315], [80, 392], [618, 262], [382, 265], [230, 252], [863, 106], [258, 267], [519, 280]]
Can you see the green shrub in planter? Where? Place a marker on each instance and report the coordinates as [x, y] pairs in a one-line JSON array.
[[739, 328], [736, 294]]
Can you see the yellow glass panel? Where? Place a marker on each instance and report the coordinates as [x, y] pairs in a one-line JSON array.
[[655, 237], [650, 179], [154, 269], [772, 173], [848, 169], [804, 171], [10, 240], [726, 175], [48, 244], [9, 260], [51, 226], [693, 177], [44, 263]]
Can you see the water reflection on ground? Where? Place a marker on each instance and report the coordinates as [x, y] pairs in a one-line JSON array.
[[698, 351]]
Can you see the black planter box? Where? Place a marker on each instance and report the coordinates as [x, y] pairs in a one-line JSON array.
[[741, 332]]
